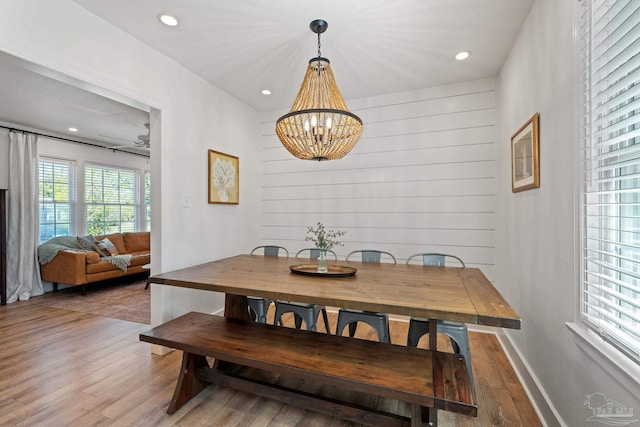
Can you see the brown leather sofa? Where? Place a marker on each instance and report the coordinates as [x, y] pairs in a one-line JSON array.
[[78, 267]]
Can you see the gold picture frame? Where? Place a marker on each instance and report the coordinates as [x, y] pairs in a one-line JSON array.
[[224, 178], [525, 157]]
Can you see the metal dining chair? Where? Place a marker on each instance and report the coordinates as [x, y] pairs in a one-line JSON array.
[[307, 312], [259, 306], [457, 332], [378, 321]]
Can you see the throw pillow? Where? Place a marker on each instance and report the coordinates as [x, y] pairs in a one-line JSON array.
[[87, 242], [105, 247]]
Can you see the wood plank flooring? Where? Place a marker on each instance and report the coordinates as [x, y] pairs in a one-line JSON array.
[[66, 368]]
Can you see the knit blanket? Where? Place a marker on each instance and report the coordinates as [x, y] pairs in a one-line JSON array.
[[121, 261], [48, 251]]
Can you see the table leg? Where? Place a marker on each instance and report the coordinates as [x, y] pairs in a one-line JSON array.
[[433, 335], [433, 345], [236, 307]]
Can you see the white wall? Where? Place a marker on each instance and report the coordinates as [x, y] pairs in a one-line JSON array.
[[420, 179], [194, 116], [537, 240]]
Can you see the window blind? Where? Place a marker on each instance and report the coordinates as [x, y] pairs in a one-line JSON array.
[[57, 198], [110, 200], [609, 66]]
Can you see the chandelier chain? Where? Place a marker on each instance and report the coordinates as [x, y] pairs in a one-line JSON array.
[[319, 55]]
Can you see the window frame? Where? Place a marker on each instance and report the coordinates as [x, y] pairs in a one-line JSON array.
[[590, 331], [146, 200]]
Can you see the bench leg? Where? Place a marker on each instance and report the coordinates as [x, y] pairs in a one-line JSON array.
[[419, 415], [433, 416], [188, 385]]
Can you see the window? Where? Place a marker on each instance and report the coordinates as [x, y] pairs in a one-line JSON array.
[[56, 193], [610, 131], [110, 198]]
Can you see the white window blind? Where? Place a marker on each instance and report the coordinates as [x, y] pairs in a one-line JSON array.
[[110, 200], [610, 130], [57, 198]]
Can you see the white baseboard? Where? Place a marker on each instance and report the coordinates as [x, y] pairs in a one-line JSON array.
[[541, 402]]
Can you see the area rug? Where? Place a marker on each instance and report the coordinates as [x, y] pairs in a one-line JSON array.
[[123, 298]]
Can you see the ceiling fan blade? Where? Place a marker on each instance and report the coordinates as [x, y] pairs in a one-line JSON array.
[[142, 144], [145, 138], [143, 141], [129, 146], [115, 138]]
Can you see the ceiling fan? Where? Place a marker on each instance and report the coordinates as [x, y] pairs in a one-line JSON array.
[[143, 141]]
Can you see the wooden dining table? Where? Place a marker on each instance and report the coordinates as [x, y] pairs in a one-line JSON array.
[[435, 293], [441, 293]]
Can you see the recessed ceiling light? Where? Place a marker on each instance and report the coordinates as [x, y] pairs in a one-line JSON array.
[[168, 20], [461, 56], [266, 92], [73, 129]]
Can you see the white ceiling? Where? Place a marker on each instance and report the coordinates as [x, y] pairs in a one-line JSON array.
[[375, 47], [40, 102]]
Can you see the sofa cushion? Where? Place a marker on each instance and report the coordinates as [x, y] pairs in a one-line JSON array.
[[92, 257], [86, 242], [137, 242], [117, 240], [140, 258], [100, 267], [105, 248]]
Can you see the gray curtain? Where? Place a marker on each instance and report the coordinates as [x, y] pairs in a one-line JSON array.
[[23, 272]]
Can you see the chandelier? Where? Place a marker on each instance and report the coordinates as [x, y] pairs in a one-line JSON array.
[[319, 125]]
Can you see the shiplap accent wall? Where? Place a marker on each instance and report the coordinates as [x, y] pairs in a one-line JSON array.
[[421, 178]]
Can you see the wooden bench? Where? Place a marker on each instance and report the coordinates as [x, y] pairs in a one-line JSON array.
[[422, 378]]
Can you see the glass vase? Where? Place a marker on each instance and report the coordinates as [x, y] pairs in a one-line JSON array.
[[322, 261]]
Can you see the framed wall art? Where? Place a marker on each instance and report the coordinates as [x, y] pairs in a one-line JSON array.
[[525, 157], [224, 178]]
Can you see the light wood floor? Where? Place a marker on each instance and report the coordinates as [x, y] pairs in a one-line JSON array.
[[65, 368]]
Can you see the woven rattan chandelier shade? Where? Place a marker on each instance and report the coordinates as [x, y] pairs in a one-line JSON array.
[[319, 125]]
